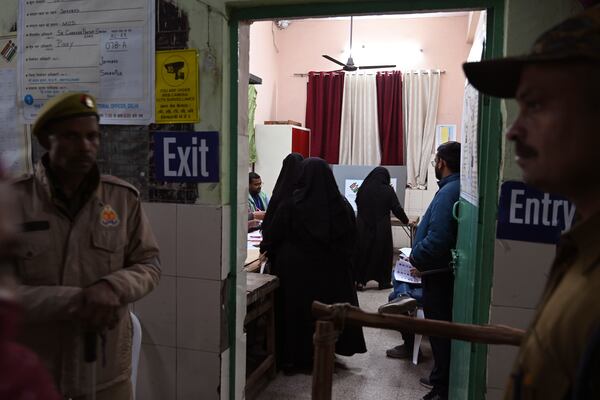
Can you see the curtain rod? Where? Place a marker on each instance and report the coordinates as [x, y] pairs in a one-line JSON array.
[[304, 75]]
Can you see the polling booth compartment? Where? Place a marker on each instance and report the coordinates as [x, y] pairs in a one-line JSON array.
[[350, 177]]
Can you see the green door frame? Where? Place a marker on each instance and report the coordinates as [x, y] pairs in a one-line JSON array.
[[490, 139]]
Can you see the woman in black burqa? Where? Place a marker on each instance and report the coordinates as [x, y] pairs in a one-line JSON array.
[[312, 234], [284, 187], [374, 249]]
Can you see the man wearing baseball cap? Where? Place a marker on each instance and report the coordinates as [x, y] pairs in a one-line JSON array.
[[557, 138], [87, 252]]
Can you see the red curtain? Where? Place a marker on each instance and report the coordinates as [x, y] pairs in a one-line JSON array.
[[324, 113], [389, 114]]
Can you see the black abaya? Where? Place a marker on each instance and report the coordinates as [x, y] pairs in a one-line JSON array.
[[313, 234], [374, 249]]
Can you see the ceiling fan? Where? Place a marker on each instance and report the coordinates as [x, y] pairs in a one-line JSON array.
[[349, 65]]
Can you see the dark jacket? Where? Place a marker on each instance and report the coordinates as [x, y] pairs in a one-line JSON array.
[[436, 234]]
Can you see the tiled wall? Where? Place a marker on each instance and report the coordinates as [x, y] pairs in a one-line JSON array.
[[520, 272], [181, 319]]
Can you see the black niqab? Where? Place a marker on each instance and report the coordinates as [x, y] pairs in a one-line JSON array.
[[285, 185], [321, 207]]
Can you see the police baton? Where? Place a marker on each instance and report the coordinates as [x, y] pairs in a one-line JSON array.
[[90, 356]]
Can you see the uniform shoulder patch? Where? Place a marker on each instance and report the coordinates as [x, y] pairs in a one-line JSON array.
[[113, 180]]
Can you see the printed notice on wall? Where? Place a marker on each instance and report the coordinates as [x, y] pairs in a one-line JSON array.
[[176, 86], [469, 177], [101, 47], [14, 148]]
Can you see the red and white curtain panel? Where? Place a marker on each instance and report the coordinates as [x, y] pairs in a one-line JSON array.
[[361, 119]]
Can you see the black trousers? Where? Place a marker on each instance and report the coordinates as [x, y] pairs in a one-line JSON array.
[[438, 291]]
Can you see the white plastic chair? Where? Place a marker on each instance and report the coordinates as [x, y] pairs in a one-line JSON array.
[[136, 344], [418, 338]]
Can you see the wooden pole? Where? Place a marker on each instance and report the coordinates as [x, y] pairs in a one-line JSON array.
[[324, 340], [488, 334]]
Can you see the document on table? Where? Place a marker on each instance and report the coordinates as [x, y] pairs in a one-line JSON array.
[[254, 239], [101, 47], [403, 270]]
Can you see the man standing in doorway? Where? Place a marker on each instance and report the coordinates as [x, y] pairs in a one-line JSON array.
[[432, 256], [87, 253], [257, 199], [556, 139]]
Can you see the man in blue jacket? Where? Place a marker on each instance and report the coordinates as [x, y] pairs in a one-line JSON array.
[[432, 256]]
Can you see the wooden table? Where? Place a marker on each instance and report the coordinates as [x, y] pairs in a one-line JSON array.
[[410, 232], [260, 299]]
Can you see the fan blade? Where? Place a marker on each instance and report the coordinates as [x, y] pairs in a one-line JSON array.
[[334, 60], [375, 66]]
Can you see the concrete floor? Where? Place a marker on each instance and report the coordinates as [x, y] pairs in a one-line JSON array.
[[369, 376]]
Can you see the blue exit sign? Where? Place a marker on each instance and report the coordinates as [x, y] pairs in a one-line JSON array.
[[186, 156]]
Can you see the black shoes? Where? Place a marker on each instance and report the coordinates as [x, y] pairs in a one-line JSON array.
[[433, 395], [402, 304], [399, 352], [426, 383]]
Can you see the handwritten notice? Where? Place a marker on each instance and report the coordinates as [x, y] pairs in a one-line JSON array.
[[176, 86], [101, 47]]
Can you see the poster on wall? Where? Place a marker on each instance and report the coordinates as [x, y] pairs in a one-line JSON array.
[[101, 47], [177, 87], [351, 187], [14, 145], [469, 186], [444, 133]]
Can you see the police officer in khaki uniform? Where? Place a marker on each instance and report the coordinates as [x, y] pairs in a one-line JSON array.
[[557, 139], [87, 252]]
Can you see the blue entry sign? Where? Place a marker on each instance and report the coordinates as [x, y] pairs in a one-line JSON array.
[[528, 215], [186, 156]]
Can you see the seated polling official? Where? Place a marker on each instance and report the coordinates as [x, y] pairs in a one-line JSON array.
[[87, 252], [257, 199]]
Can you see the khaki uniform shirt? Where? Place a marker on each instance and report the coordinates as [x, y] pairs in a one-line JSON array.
[[108, 238], [568, 315]]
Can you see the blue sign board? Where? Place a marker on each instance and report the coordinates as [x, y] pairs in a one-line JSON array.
[[186, 156], [528, 215]]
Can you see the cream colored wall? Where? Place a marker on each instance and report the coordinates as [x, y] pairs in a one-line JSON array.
[[263, 63], [298, 49]]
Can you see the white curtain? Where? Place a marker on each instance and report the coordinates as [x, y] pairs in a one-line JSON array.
[[359, 132], [421, 94]]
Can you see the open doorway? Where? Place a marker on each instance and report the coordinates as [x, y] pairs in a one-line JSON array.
[[288, 53]]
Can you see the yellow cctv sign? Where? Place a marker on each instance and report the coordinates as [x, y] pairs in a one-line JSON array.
[[176, 86]]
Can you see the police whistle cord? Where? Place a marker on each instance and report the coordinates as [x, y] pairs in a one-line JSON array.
[[487, 334]]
